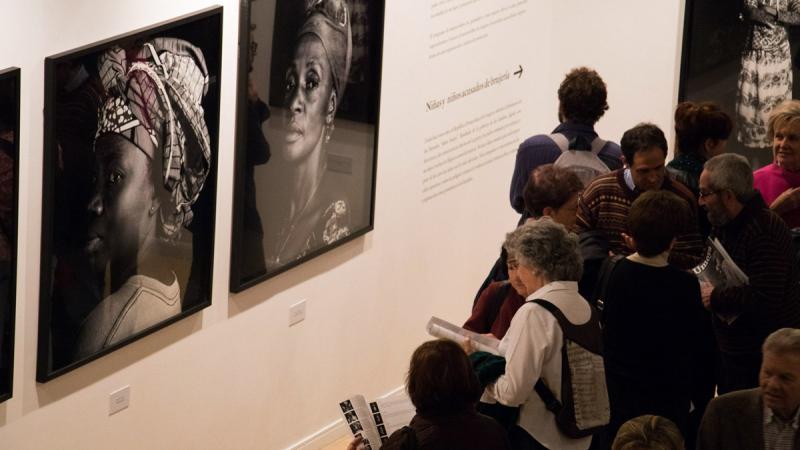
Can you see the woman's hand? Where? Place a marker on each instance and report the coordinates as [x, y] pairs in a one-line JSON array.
[[355, 444], [789, 200]]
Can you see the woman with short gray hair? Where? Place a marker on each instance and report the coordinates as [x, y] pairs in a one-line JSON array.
[[549, 265]]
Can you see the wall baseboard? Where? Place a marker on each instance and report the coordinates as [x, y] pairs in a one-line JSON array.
[[330, 433]]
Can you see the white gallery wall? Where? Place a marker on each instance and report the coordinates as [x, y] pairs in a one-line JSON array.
[[236, 376]]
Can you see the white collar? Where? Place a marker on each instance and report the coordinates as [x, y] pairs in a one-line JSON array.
[[659, 260], [629, 179], [770, 417], [552, 287]]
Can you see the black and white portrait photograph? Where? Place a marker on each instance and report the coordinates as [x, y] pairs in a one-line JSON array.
[[346, 405], [306, 131], [743, 55], [129, 188], [9, 181]]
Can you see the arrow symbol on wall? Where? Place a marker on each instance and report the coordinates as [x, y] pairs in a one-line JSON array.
[[518, 73]]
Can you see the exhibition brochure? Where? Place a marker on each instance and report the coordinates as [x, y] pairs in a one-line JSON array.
[[376, 421], [719, 270], [446, 330]]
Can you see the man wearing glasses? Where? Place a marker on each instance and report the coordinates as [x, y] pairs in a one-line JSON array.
[[758, 241]]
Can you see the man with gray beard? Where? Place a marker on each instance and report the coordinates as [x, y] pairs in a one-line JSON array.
[[759, 242]]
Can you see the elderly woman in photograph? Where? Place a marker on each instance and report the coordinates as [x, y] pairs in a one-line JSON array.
[[549, 266], [316, 210], [779, 182], [152, 157]]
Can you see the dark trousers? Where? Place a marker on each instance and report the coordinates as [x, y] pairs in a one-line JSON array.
[[737, 372]]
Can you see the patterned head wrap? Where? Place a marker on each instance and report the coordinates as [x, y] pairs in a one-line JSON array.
[[329, 20], [154, 97]]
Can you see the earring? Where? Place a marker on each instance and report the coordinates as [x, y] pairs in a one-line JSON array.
[[328, 132]]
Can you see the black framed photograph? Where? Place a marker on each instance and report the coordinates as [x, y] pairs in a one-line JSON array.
[[307, 131], [129, 187], [743, 55], [9, 194]]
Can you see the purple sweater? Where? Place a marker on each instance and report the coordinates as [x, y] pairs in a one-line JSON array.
[[540, 149]]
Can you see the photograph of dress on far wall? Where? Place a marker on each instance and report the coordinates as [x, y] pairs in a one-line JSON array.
[[130, 156], [9, 180], [306, 131], [745, 56]]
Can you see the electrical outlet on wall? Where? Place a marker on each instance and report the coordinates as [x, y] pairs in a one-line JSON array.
[[119, 400], [297, 312]]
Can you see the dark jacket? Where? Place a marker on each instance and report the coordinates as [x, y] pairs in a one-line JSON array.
[[735, 421], [759, 242], [463, 431]]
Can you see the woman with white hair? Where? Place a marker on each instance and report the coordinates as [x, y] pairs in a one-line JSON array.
[[549, 267]]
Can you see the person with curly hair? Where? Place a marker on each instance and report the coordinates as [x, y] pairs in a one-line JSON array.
[[582, 101]]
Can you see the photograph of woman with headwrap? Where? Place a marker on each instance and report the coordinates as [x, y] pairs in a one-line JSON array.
[[317, 190], [153, 152], [152, 157]]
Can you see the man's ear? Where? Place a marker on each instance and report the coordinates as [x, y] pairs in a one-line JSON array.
[[548, 211]]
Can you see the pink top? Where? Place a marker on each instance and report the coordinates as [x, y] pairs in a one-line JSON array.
[[772, 181]]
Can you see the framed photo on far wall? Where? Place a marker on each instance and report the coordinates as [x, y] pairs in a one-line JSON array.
[[307, 131], [130, 164], [744, 56], [9, 194]]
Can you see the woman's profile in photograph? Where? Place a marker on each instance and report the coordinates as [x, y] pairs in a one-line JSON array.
[[152, 156], [315, 211]]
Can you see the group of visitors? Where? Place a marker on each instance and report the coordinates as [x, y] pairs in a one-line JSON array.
[[608, 338]]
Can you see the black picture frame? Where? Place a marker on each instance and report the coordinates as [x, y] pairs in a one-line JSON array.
[[715, 40], [161, 272], [263, 235], [9, 216]]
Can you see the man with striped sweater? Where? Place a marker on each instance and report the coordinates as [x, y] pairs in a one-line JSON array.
[[759, 242], [604, 205]]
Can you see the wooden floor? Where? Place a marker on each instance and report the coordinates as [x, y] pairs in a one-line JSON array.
[[341, 444]]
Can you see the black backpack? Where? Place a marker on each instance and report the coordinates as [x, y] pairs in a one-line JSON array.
[[584, 407]]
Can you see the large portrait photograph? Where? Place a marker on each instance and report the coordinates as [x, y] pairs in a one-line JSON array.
[[9, 182], [743, 55], [307, 116], [130, 153]]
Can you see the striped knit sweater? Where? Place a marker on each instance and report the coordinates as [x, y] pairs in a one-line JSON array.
[[759, 243], [604, 207]]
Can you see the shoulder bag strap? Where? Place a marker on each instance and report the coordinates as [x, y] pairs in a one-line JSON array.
[[561, 141], [599, 294], [597, 145]]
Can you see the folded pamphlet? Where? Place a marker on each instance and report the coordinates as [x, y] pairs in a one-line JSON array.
[[446, 330], [376, 421]]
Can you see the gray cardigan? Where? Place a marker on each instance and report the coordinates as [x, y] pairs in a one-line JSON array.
[[735, 421]]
